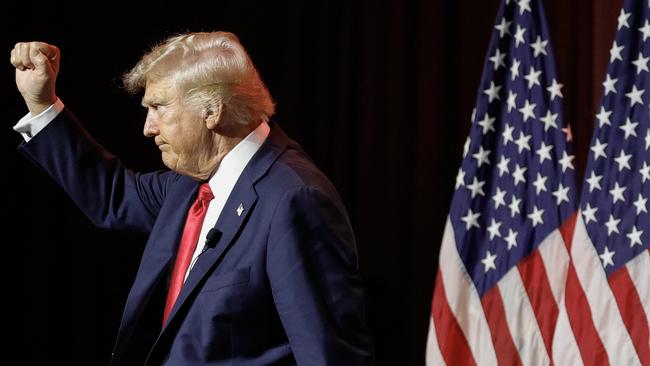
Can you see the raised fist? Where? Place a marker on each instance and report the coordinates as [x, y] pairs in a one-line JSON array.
[[37, 66]]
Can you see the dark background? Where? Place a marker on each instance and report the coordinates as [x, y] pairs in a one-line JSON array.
[[379, 92]]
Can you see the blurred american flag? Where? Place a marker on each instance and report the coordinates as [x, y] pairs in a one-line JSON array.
[[511, 287]]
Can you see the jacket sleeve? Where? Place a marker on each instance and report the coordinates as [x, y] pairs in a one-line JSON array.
[[110, 195], [317, 289]]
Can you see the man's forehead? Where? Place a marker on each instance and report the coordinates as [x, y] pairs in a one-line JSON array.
[[156, 90]]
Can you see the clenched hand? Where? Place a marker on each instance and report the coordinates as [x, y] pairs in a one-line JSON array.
[[37, 66]]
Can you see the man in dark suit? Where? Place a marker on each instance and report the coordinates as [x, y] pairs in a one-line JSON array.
[[251, 258]]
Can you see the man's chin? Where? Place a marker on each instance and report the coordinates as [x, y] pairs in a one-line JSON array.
[[173, 165], [169, 162]]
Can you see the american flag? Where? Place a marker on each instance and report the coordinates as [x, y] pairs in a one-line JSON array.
[[500, 289], [612, 234]]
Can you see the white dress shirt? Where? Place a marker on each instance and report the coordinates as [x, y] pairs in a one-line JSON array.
[[221, 183], [224, 179]]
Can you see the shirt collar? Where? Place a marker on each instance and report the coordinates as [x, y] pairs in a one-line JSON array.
[[236, 160]]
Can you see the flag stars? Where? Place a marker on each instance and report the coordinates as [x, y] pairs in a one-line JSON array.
[[598, 149], [540, 184], [622, 19], [594, 181], [603, 117], [503, 27], [493, 229], [471, 219], [554, 89], [645, 30], [482, 156], [641, 63], [536, 216], [612, 225], [527, 110], [561, 194], [615, 52], [499, 198], [512, 101], [503, 165], [518, 174], [507, 134], [487, 123], [589, 213], [544, 186], [617, 193], [539, 47], [519, 36], [511, 239], [476, 187], [514, 69], [488, 262], [492, 92], [566, 161], [460, 179], [544, 152], [522, 142], [468, 141], [498, 59], [533, 77], [635, 237], [549, 120], [607, 257], [635, 96], [610, 85], [524, 5], [514, 205], [641, 204], [629, 128], [645, 172], [623, 161]]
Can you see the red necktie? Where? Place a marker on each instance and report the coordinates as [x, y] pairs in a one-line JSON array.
[[190, 238]]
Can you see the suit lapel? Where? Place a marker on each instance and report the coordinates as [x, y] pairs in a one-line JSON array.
[[158, 255], [229, 224]]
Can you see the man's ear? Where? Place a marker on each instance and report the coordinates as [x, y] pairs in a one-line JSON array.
[[213, 114]]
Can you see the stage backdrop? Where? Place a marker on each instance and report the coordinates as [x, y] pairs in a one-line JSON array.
[[378, 92]]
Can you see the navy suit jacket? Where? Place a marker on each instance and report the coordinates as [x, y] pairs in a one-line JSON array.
[[280, 286]]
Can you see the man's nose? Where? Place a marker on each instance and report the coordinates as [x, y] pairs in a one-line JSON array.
[[150, 127]]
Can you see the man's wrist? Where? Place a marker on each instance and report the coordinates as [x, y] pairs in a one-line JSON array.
[[30, 125], [36, 108]]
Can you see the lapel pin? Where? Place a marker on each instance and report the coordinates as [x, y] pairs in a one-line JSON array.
[[240, 209]]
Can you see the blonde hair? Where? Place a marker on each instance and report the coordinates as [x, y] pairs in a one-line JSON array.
[[207, 67]]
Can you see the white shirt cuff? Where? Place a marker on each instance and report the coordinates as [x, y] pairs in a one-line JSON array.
[[29, 126]]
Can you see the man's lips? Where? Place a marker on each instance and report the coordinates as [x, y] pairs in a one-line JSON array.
[[160, 143]]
